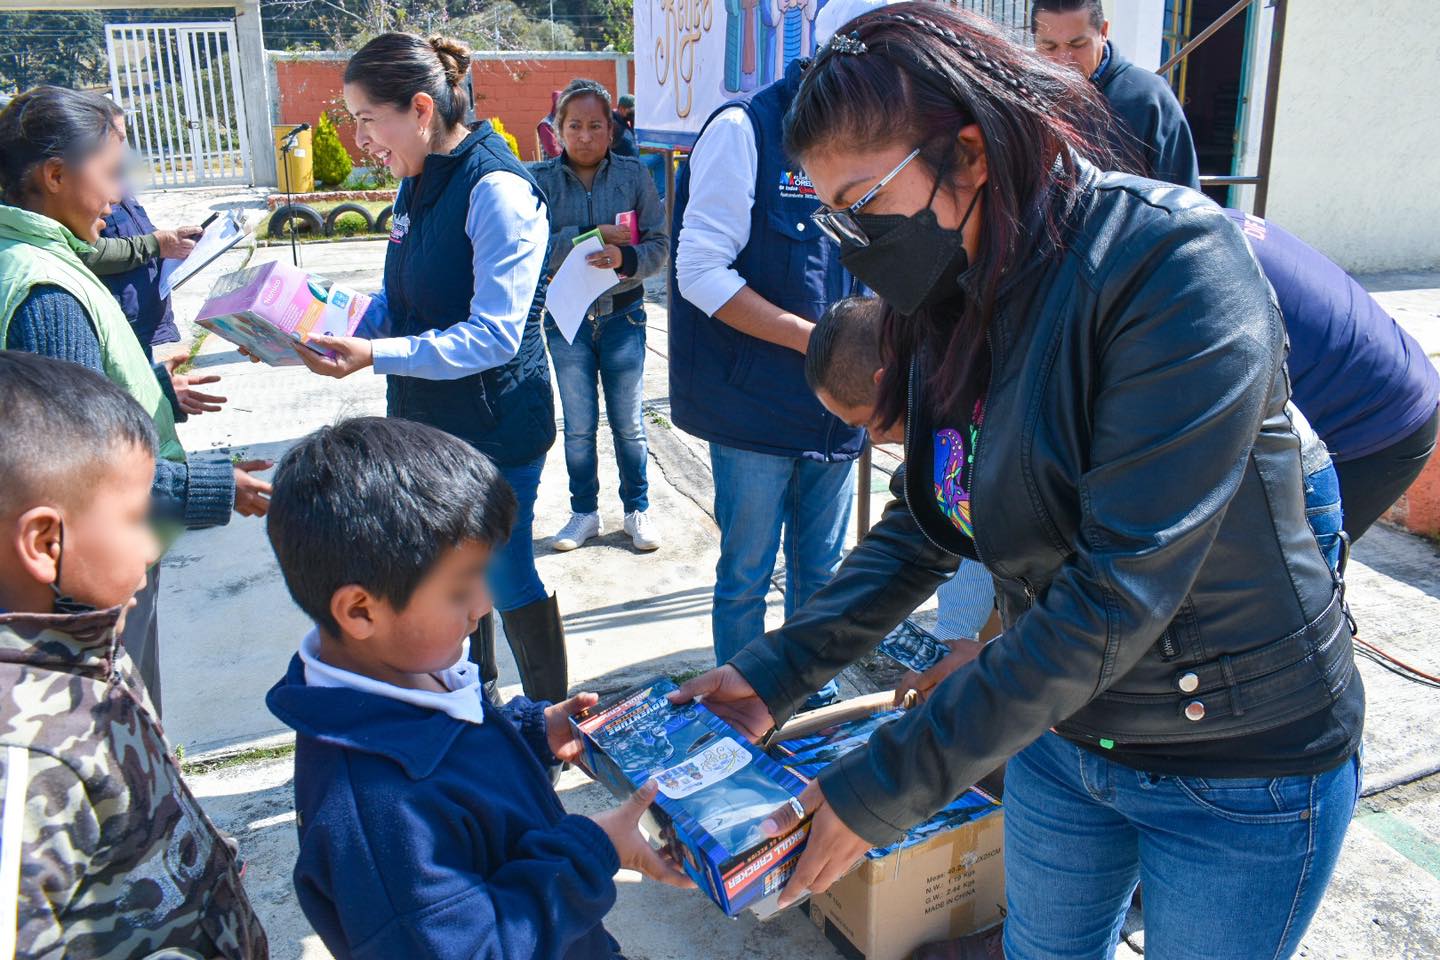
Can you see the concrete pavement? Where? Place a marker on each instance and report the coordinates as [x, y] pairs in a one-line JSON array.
[[228, 629]]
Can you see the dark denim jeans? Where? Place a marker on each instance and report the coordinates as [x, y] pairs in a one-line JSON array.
[[1233, 869], [514, 582], [756, 496], [612, 349]]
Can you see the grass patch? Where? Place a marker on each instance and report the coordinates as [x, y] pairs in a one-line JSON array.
[[258, 755], [195, 346], [680, 678]]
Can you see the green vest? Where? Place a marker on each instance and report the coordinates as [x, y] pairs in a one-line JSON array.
[[34, 251]]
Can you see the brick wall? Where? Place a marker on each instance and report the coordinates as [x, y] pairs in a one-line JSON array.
[[307, 89], [516, 90]]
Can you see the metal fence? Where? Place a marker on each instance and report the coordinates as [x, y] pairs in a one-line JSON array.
[[1012, 14], [178, 86]]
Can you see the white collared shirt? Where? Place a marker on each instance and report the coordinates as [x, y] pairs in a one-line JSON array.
[[461, 700]]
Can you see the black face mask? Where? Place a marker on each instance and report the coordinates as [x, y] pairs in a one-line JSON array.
[[912, 262]]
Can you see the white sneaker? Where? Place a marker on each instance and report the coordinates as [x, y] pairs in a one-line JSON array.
[[642, 532], [579, 528]]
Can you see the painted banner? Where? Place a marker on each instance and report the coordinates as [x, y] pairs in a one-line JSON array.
[[693, 55]]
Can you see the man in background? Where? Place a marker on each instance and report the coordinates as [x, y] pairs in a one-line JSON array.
[[1150, 129]]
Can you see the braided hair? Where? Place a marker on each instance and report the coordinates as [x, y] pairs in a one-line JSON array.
[[915, 74]]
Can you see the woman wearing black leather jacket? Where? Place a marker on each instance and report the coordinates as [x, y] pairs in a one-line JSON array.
[[1090, 371]]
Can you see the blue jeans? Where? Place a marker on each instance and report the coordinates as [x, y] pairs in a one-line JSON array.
[[1325, 512], [966, 602], [1233, 869], [612, 348], [514, 582], [756, 495]]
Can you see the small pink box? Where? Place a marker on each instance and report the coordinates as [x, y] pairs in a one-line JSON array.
[[268, 308], [629, 220]]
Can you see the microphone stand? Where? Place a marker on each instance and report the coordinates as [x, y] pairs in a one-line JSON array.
[[286, 146]]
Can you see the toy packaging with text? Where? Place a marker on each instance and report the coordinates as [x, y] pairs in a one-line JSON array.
[[269, 308], [716, 788], [944, 879]]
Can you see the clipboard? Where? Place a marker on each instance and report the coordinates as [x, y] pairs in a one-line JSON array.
[[222, 233]]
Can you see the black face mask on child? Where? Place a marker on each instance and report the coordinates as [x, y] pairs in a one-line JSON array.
[[911, 261]]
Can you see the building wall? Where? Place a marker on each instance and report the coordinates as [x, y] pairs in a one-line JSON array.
[[1356, 133], [1135, 26], [515, 87]]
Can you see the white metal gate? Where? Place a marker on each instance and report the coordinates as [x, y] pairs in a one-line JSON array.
[[179, 88]]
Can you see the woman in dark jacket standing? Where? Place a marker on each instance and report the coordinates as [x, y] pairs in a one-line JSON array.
[[589, 187], [1090, 371], [456, 326]]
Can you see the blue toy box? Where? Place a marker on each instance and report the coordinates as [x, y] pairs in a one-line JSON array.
[[716, 788]]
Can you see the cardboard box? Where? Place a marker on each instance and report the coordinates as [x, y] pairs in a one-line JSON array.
[[943, 880], [715, 790], [270, 307], [946, 880]]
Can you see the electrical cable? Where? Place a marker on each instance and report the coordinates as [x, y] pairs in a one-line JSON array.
[[1394, 664]]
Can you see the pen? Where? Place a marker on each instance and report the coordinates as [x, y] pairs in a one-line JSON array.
[[209, 220]]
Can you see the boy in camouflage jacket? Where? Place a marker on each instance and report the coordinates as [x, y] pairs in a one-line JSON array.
[[104, 852]]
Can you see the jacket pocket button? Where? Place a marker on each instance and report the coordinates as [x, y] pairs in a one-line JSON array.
[[1194, 710], [800, 226], [1189, 683]]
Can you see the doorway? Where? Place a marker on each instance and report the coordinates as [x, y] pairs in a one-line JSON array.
[[1211, 83]]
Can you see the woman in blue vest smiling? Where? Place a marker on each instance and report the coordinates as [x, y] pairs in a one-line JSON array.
[[456, 326]]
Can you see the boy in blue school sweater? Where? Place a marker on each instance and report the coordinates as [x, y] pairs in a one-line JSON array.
[[428, 825]]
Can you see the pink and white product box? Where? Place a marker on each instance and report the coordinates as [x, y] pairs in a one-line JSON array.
[[269, 308]]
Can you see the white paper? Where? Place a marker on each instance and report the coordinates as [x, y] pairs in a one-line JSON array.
[[221, 235], [576, 285]]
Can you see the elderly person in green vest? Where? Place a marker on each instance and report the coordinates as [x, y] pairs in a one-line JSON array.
[[60, 170]]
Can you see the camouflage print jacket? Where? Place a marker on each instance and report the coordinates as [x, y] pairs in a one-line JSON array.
[[115, 856]]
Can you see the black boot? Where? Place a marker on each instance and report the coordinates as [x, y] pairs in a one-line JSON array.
[[482, 653], [537, 638]]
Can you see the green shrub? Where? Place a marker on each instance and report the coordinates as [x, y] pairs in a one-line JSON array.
[[332, 163]]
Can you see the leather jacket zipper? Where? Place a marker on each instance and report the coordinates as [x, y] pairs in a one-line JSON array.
[[974, 470]]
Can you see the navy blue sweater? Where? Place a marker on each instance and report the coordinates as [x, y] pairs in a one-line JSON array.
[[1152, 126], [426, 836], [52, 323]]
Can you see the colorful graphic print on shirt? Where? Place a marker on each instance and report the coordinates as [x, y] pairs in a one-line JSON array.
[[954, 463]]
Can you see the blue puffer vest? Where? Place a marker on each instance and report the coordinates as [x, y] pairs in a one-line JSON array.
[[734, 389], [507, 412], [138, 290]]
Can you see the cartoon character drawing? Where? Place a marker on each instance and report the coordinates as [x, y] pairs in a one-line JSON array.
[[790, 34], [745, 30]]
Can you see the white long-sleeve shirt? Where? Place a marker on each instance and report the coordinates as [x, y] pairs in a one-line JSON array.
[[716, 226]]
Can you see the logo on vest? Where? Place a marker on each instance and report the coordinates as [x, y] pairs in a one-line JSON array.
[[401, 227], [795, 184]]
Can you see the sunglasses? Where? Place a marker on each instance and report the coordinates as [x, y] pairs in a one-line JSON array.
[[841, 225]]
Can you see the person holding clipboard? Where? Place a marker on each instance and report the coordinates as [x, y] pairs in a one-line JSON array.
[[455, 328], [591, 188]]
